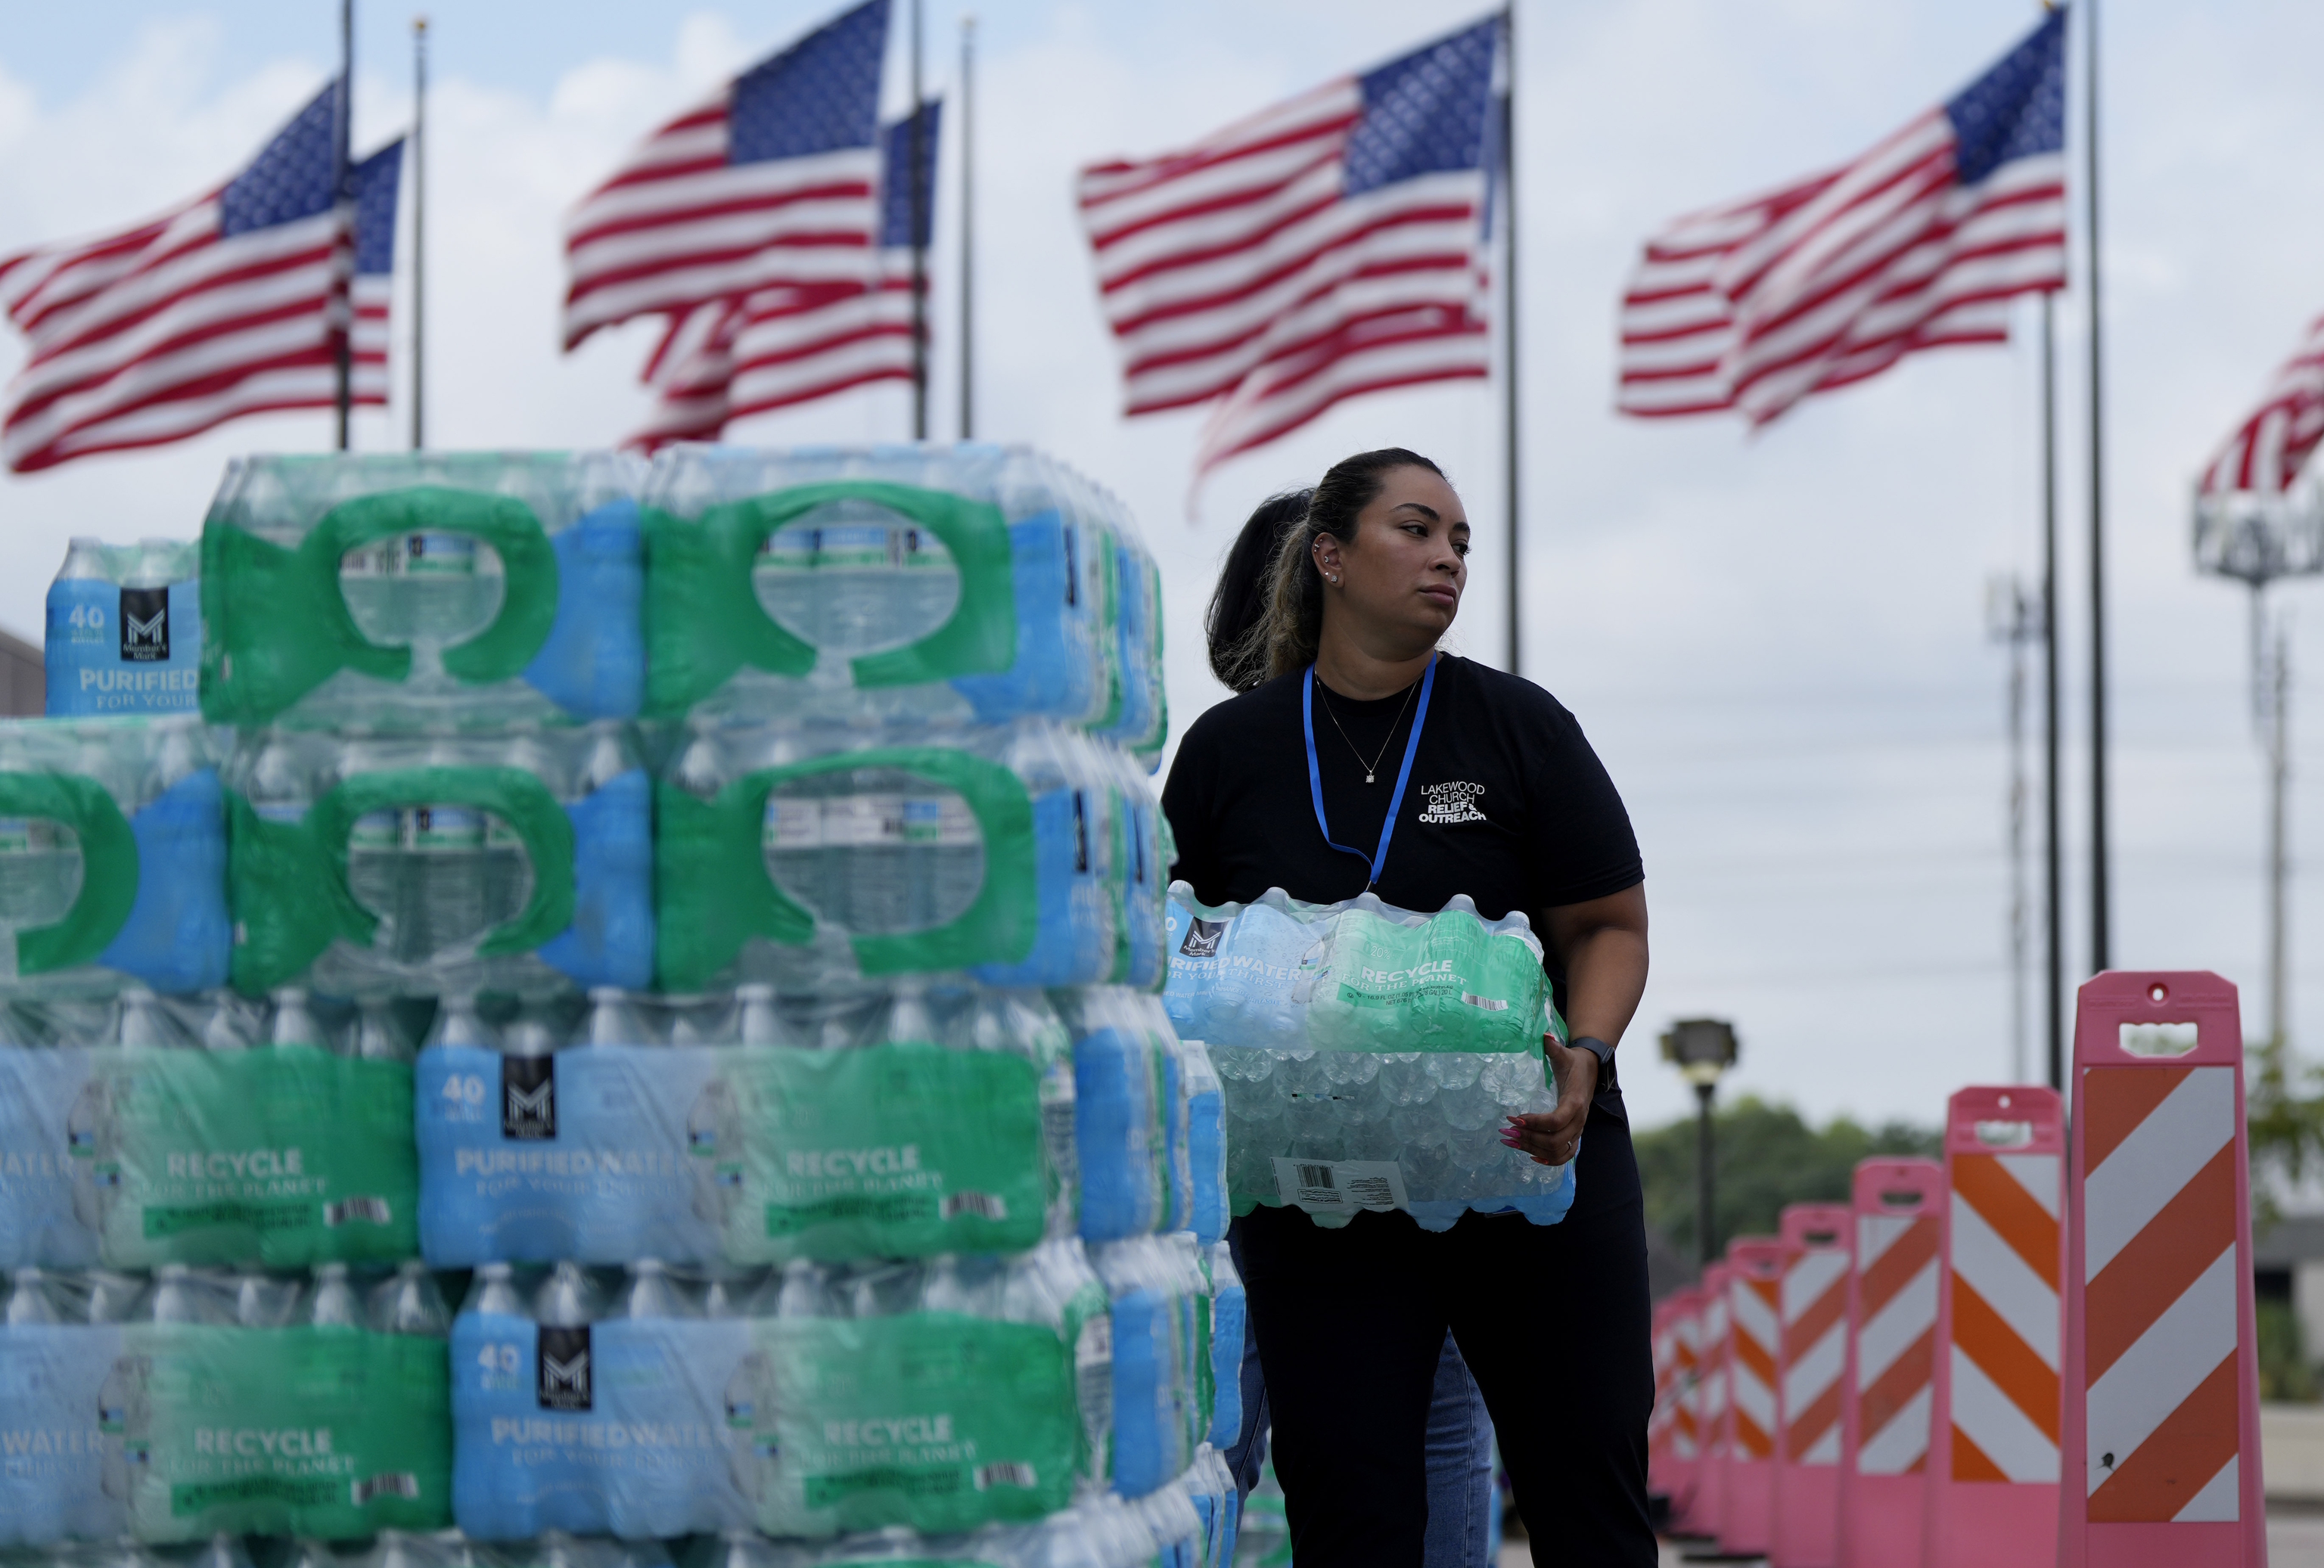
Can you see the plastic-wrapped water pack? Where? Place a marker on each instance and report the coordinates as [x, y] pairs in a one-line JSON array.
[[113, 852], [423, 589], [809, 857], [942, 1396], [195, 1403], [1171, 1529], [124, 630], [907, 584], [381, 864], [147, 1131], [1369, 1055]]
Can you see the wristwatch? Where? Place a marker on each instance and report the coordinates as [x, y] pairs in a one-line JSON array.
[[1598, 1048]]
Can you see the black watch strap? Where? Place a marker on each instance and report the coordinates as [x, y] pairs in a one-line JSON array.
[[1596, 1048]]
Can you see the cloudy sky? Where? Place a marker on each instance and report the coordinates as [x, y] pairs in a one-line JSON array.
[[1777, 643]]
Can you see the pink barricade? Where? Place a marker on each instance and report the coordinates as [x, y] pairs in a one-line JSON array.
[[1993, 1451], [1754, 1271], [1706, 1514], [1662, 1426], [2160, 1449], [1683, 1463], [1892, 1335], [1810, 1362]]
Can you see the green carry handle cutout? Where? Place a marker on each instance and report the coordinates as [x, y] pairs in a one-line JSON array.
[[714, 892], [704, 621], [289, 880], [108, 868], [280, 626]]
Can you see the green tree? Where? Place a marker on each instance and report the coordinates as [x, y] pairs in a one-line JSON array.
[[1765, 1156]]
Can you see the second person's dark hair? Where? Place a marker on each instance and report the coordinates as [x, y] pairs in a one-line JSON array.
[[1284, 638], [1239, 603]]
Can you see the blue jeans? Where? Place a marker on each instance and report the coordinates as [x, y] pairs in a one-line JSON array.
[[1460, 1470]]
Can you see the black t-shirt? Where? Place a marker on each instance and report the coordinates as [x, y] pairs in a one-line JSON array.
[[1506, 801]]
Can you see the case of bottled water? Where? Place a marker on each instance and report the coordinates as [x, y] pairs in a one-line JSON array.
[[598, 1401], [197, 1402], [941, 1395], [1120, 1042], [908, 584], [560, 1131], [913, 1120], [1098, 1531], [124, 630], [1369, 1055], [424, 590], [807, 856], [413, 866], [1160, 1353], [112, 856], [1230, 1316], [205, 1129]]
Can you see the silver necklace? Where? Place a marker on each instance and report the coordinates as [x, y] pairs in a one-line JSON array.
[[1372, 766]]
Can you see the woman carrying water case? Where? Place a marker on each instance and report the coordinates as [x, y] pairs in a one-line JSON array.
[[1359, 756]]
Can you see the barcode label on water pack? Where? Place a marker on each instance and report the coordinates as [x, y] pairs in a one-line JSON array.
[[983, 1205], [1489, 1003], [394, 1484], [989, 1476], [370, 1211], [1346, 1183]]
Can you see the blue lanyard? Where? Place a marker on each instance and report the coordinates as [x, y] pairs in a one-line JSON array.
[[1379, 857]]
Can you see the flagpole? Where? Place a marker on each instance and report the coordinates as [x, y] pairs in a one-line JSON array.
[[419, 232], [967, 228], [2100, 946], [342, 348], [2054, 867], [1510, 314], [919, 178]]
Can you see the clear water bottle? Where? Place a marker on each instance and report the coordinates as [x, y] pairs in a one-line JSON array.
[[457, 1023], [293, 1024], [444, 850], [409, 1303], [378, 1037], [493, 1292], [335, 1304], [180, 1296], [263, 1301], [567, 1299], [652, 1293], [28, 1300]]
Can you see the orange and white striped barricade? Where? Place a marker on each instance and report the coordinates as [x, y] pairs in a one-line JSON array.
[[1811, 1359], [1892, 1347], [1708, 1512], [2162, 1430], [1663, 1423], [1755, 1274], [1684, 1467], [1993, 1450]]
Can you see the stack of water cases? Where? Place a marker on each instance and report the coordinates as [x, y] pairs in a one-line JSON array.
[[1371, 1054], [873, 1210]]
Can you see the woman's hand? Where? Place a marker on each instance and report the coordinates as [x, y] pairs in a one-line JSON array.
[[1553, 1138]]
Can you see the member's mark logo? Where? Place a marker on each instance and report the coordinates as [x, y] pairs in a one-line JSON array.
[[563, 1381], [145, 625], [1453, 802], [1202, 938], [528, 1098]]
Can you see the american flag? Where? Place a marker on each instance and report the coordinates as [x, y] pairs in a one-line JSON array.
[[2269, 448], [1921, 242], [795, 341], [1330, 245], [228, 305], [771, 181]]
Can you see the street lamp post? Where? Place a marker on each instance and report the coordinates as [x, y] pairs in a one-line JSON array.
[[1702, 1049]]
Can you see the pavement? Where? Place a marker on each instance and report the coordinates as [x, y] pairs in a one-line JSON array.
[[2295, 1539]]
